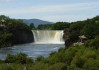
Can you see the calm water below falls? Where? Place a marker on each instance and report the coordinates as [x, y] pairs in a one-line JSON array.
[[32, 50]]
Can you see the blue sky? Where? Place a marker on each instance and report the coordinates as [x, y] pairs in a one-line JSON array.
[[50, 10]]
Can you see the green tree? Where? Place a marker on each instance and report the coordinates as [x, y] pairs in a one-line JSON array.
[[20, 58], [60, 25], [93, 43], [58, 66], [32, 26]]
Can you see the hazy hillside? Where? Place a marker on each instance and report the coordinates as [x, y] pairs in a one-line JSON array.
[[35, 21]]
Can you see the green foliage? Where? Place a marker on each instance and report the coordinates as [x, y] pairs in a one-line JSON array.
[[58, 66], [55, 26], [76, 26], [75, 30], [91, 64], [45, 26], [4, 19], [82, 58], [93, 43], [90, 30], [17, 24], [11, 66], [5, 38], [32, 26], [60, 25], [10, 58], [64, 56], [73, 36], [5, 67], [40, 58], [13, 23], [18, 58]]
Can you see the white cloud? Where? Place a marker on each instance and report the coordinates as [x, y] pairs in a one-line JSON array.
[[53, 12], [67, 18], [50, 9]]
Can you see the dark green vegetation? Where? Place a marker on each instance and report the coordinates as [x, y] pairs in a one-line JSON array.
[[55, 26], [84, 57], [32, 26], [18, 58], [13, 31], [89, 28]]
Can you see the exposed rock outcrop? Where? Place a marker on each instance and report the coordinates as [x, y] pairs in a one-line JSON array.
[[66, 38], [21, 36]]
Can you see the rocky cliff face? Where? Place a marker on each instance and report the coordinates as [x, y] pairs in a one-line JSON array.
[[66, 38], [21, 36], [14, 31]]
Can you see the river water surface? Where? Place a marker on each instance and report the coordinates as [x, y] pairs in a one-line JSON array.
[[32, 50]]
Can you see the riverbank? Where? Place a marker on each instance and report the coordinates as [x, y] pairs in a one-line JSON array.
[[74, 57]]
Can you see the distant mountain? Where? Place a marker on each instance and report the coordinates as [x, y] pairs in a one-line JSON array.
[[35, 21]]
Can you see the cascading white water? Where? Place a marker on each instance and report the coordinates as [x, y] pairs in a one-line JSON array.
[[48, 36]]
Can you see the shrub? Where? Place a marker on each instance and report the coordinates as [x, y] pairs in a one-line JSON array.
[[58, 66], [10, 58], [93, 43], [18, 58], [91, 64], [5, 67]]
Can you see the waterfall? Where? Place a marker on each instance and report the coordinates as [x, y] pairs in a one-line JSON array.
[[48, 36]]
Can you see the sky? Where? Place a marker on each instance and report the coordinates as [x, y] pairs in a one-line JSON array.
[[50, 10]]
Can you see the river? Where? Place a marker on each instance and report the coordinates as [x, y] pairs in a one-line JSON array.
[[32, 50], [45, 42]]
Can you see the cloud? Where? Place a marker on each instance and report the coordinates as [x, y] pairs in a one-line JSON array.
[[67, 18], [54, 12], [50, 8]]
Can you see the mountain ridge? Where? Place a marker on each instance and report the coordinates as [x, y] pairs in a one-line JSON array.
[[36, 22]]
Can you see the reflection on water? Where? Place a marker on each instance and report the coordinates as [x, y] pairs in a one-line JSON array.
[[32, 50]]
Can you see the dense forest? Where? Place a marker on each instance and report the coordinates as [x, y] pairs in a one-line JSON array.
[[72, 57]]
